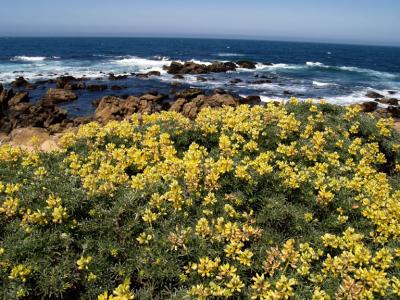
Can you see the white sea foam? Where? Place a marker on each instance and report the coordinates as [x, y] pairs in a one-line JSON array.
[[322, 84], [229, 54], [28, 58], [314, 64]]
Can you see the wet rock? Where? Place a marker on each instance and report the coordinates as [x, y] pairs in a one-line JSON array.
[[178, 76], [261, 81], [111, 76], [1, 88], [201, 78], [195, 68], [63, 80], [142, 76], [20, 82], [246, 64], [236, 81], [21, 97], [392, 92], [54, 96], [251, 100], [75, 86], [288, 93], [390, 101], [156, 97], [178, 105], [394, 111], [268, 64], [5, 96], [189, 94], [153, 73], [96, 87], [117, 88], [373, 95]]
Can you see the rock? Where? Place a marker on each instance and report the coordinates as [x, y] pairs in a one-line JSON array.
[[114, 108], [63, 80], [219, 91], [142, 76], [21, 97], [23, 138], [195, 68], [246, 64], [54, 96], [287, 93], [5, 96], [111, 76], [97, 87], [390, 101], [178, 105], [368, 106], [268, 64], [117, 88], [75, 86], [20, 82], [396, 125], [261, 81], [201, 78], [153, 73], [1, 88], [392, 92], [236, 80], [189, 94], [394, 111], [251, 100], [373, 95], [156, 97], [178, 77]]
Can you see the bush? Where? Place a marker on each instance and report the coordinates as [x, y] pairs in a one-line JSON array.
[[295, 201]]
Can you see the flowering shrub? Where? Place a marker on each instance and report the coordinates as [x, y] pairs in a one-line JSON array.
[[288, 201]]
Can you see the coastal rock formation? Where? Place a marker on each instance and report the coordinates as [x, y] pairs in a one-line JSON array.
[[54, 96], [33, 138], [64, 80], [251, 100], [111, 76], [195, 68], [20, 82], [21, 97], [5, 96], [190, 108], [373, 95], [245, 64], [97, 87], [115, 108], [390, 101]]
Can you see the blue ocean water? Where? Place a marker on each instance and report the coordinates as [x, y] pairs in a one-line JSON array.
[[338, 73]]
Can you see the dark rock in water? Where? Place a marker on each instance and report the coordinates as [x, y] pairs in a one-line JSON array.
[[153, 73], [189, 94], [75, 86], [20, 82], [236, 80], [390, 101], [195, 68], [288, 93], [261, 81], [54, 96], [21, 97], [176, 84], [178, 77], [117, 88], [251, 100], [153, 96], [246, 64], [394, 111], [373, 95], [111, 76], [142, 76], [1, 88], [63, 80], [268, 64], [201, 78], [97, 87], [392, 92]]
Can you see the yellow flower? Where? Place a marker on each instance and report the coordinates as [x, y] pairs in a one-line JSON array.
[[83, 262]]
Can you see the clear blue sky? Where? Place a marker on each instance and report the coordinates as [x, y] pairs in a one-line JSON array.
[[349, 21]]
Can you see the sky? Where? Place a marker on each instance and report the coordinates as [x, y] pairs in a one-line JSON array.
[[375, 22]]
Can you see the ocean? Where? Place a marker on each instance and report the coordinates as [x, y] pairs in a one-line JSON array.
[[340, 74]]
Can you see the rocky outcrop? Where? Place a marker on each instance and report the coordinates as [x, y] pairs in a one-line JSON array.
[[373, 95], [111, 76], [245, 64], [190, 108], [96, 87], [251, 100], [55, 96], [32, 139], [62, 81], [20, 82], [189, 94], [5, 96], [21, 97], [368, 106], [390, 101], [195, 68], [115, 108]]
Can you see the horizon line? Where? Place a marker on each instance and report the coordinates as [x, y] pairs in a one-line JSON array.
[[200, 37]]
